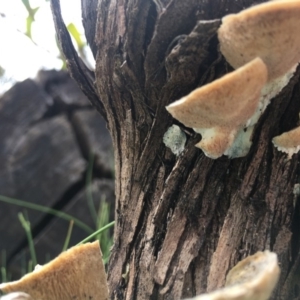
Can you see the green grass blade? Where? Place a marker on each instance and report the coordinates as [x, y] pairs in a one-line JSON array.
[[30, 267], [3, 274], [47, 258], [3, 266], [23, 264], [104, 238], [47, 210], [89, 189], [26, 226], [111, 224], [67, 240]]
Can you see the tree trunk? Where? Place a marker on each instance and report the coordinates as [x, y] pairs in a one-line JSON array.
[[183, 221]]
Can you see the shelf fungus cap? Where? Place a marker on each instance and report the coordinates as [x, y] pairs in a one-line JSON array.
[[288, 142], [219, 109], [253, 278], [77, 273], [269, 30]]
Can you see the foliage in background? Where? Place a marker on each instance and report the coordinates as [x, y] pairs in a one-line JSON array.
[[30, 18], [2, 72], [102, 233], [78, 38], [100, 215], [100, 218]]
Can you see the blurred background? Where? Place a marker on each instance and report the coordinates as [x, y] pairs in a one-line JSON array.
[[56, 154], [28, 42]]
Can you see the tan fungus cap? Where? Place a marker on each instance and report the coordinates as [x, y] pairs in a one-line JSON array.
[[288, 142], [254, 278], [77, 273], [269, 30], [217, 110]]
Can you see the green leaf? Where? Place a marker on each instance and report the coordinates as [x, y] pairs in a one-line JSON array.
[[30, 19], [29, 22], [34, 11], [31, 11], [27, 5], [76, 35]]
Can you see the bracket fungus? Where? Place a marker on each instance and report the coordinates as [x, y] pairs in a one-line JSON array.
[[253, 278], [77, 273], [219, 110], [288, 142], [268, 31]]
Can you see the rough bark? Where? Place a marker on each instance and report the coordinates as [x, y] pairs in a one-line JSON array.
[[183, 222]]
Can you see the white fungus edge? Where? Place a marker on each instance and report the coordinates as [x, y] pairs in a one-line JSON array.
[[242, 142]]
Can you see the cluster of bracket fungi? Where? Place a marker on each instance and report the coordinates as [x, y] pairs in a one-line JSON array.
[[262, 44], [79, 273]]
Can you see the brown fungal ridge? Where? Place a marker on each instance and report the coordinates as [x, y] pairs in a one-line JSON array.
[[220, 109]]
